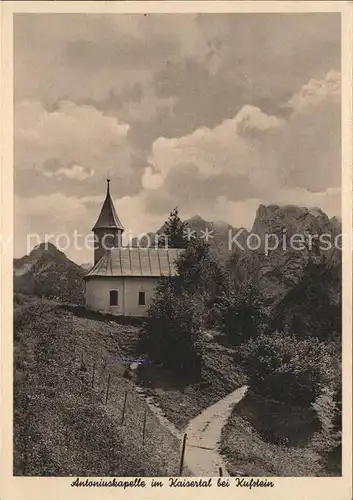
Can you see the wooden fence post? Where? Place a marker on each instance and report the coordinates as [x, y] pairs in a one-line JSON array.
[[182, 455], [107, 394], [124, 406], [93, 370], [144, 427]]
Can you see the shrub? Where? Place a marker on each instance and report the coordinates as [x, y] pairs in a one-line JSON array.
[[328, 407], [172, 328], [286, 369]]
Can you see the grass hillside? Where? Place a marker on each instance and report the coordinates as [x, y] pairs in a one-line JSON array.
[[265, 438], [180, 402], [62, 425]]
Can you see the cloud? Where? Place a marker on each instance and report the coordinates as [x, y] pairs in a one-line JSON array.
[[270, 152], [221, 173], [71, 56], [136, 221], [309, 151], [234, 147], [168, 75], [151, 180], [88, 56], [317, 91], [225, 172], [71, 134], [148, 108], [55, 206], [60, 148], [77, 172], [328, 200], [215, 113], [242, 213]]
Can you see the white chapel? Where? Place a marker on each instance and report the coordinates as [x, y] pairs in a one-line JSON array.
[[123, 279]]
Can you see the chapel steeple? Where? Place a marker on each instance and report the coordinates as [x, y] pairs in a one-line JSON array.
[[108, 218], [108, 229]]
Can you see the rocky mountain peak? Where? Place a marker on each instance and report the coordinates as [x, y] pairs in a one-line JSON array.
[[43, 251], [300, 235], [291, 219], [47, 272]]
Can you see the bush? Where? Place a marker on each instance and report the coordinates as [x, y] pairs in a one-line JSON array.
[[172, 328], [286, 369], [328, 407]]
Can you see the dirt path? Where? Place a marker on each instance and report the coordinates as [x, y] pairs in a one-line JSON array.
[[204, 433]]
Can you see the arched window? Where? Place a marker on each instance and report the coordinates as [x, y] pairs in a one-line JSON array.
[[142, 298], [113, 295]]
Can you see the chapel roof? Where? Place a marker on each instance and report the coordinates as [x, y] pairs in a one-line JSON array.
[[127, 261], [108, 218]]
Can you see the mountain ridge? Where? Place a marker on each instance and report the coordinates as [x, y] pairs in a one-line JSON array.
[[47, 271]]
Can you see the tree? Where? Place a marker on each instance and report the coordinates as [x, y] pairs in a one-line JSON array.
[[243, 266], [174, 231], [171, 330], [202, 275], [241, 313], [313, 305], [182, 305]]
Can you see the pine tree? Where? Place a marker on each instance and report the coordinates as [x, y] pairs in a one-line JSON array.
[[174, 234], [241, 315], [202, 275]]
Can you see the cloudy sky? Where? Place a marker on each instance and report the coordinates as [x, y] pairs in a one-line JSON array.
[[213, 113]]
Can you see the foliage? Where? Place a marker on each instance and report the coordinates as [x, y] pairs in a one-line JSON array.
[[328, 406], [171, 329], [181, 306], [241, 313], [202, 275], [313, 304], [174, 232], [243, 266], [286, 369]]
